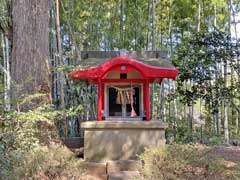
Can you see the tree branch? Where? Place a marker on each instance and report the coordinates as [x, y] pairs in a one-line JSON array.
[[235, 106]]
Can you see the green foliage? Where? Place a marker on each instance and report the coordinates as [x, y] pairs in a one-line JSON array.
[[28, 100], [216, 140], [100, 25], [182, 135], [107, 25], [83, 98], [197, 58], [29, 132], [46, 163], [30, 148], [5, 15], [65, 68], [74, 111], [23, 133], [6, 145]]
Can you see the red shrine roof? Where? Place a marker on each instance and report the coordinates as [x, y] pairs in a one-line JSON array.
[[124, 64]]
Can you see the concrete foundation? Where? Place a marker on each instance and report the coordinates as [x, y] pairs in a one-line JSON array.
[[120, 140]]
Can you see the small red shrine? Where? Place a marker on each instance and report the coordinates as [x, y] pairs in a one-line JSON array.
[[123, 81]]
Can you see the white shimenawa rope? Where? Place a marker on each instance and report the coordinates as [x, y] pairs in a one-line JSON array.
[[121, 98]]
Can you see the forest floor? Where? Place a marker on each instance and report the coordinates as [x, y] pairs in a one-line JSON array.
[[210, 163], [228, 156]]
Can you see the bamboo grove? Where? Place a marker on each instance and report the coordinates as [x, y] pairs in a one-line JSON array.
[[202, 40]]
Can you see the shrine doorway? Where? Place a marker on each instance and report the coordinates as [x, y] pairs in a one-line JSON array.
[[124, 107]]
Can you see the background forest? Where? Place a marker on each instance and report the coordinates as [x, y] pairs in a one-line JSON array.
[[41, 42]]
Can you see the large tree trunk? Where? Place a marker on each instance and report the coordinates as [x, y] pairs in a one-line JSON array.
[[30, 53]]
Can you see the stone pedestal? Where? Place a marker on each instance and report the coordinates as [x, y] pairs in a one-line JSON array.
[[120, 140]]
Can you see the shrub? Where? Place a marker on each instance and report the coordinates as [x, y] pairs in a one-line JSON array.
[[23, 134], [182, 162], [181, 134], [48, 163], [216, 140]]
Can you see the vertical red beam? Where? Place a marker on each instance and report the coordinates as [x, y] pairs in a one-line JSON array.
[[100, 103], [147, 100], [103, 94], [144, 99]]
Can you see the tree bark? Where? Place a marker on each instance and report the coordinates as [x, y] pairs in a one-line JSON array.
[[60, 62], [122, 19], [199, 16], [153, 49], [6, 72], [201, 117], [226, 132], [153, 26], [59, 46], [175, 106], [218, 75], [234, 75], [215, 15], [30, 48], [7, 79], [149, 23]]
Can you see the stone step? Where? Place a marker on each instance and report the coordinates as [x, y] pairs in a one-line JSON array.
[[123, 165], [97, 170], [124, 175], [92, 177]]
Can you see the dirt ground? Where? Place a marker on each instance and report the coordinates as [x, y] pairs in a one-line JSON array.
[[220, 163], [230, 153], [228, 156]]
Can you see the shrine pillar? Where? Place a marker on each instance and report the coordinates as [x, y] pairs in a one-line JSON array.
[[100, 100], [147, 100]]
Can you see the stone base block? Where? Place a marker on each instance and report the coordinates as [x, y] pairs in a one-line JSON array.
[[120, 140]]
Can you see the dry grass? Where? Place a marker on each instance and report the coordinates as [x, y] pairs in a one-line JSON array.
[[193, 162]]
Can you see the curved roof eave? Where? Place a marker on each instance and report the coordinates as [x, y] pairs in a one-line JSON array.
[[146, 70]]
